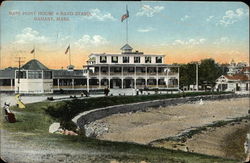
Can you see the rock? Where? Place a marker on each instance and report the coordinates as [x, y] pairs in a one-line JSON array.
[[95, 129]]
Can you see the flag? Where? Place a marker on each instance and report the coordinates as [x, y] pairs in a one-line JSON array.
[[67, 49], [32, 51], [125, 16]]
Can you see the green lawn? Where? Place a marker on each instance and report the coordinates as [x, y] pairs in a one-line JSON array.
[[33, 123]]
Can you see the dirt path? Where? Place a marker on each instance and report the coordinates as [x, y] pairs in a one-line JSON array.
[[144, 127], [17, 148]]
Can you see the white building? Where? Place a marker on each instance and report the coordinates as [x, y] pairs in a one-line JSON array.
[[235, 82], [33, 78], [235, 68], [130, 70]]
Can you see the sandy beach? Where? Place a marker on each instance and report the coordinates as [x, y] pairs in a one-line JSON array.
[[154, 124], [226, 141]]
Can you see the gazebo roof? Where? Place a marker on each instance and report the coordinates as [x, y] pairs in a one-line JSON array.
[[34, 65]]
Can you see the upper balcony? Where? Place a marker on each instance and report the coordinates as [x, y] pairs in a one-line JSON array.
[[133, 71]]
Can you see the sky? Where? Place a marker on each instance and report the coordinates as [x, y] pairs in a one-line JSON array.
[[182, 31]]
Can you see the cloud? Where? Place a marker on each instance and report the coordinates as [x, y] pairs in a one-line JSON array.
[[189, 42], [29, 35], [147, 10], [232, 17], [99, 15], [185, 18], [88, 40], [147, 29], [222, 40], [62, 38], [209, 18]]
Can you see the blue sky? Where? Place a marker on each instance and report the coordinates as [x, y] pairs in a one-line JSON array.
[[155, 27]]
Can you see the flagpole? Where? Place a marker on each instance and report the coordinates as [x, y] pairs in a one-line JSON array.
[[69, 56], [127, 26], [127, 30], [34, 55]]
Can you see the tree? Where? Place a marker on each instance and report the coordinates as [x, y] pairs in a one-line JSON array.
[[209, 71], [224, 68], [187, 74]]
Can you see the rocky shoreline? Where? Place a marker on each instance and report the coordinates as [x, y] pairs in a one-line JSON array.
[[143, 126], [225, 141]]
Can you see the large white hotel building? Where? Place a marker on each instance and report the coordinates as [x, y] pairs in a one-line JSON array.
[[130, 69]]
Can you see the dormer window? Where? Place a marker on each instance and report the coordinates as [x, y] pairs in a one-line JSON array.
[[137, 60], [114, 59], [147, 59], [103, 59], [158, 59], [126, 59]]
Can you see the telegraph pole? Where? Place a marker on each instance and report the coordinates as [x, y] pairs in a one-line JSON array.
[[127, 25], [20, 60], [197, 81]]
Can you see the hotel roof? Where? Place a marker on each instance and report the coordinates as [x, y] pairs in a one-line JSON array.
[[126, 47], [8, 73], [126, 54]]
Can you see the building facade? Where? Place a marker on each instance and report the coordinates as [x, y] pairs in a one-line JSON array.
[[7, 79], [33, 78], [235, 68], [69, 80], [130, 70], [239, 81]]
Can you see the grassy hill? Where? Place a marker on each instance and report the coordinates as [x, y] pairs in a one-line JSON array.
[[31, 130]]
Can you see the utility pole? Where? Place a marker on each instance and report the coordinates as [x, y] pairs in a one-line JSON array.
[[197, 81], [88, 80], [20, 60], [69, 57]]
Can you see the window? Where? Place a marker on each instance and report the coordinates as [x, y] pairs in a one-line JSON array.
[[158, 59], [47, 75], [137, 59], [147, 59], [114, 59], [126, 59], [21, 74], [131, 69], [35, 74], [103, 59], [117, 69], [104, 69]]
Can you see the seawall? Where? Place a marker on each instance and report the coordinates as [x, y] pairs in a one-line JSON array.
[[89, 116]]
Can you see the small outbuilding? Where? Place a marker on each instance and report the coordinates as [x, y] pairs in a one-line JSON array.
[[33, 78]]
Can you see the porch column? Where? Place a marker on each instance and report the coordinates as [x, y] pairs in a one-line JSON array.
[[122, 77], [157, 77], [167, 76], [109, 75], [88, 79], [11, 84], [73, 84], [99, 76], [178, 77], [146, 79], [135, 77], [58, 80]]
